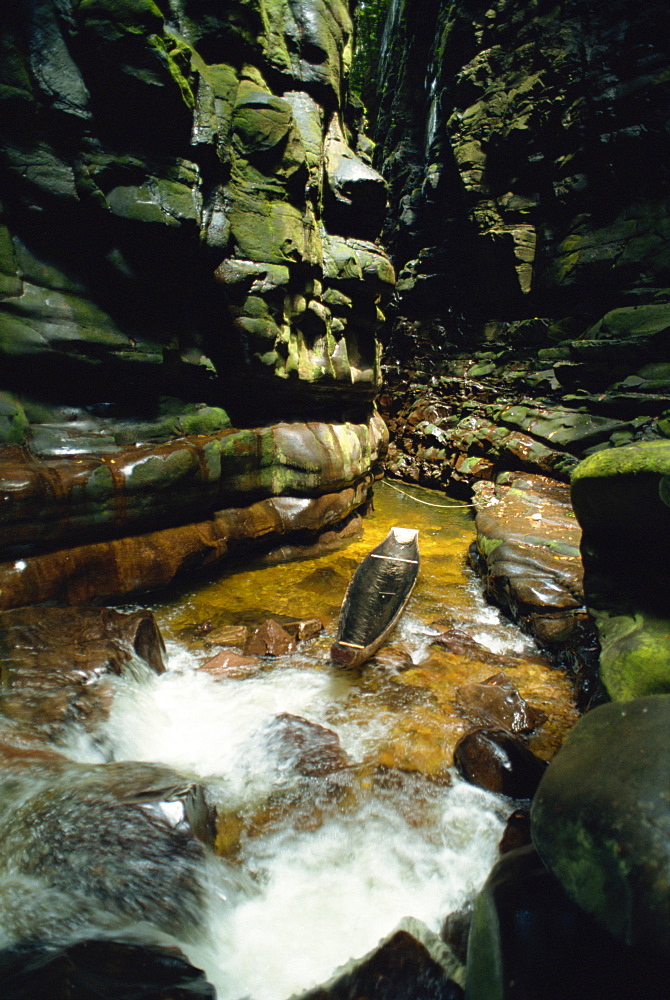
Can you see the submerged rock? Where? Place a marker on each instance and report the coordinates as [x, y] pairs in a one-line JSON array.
[[497, 701], [102, 968], [601, 819], [308, 748]]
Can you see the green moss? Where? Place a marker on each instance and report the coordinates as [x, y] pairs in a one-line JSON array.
[[205, 420], [139, 17], [176, 56], [14, 424], [632, 459], [488, 545], [635, 657]]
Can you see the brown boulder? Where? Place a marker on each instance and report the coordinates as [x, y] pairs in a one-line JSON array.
[[499, 762], [55, 662], [497, 701], [308, 748], [269, 639], [230, 664]]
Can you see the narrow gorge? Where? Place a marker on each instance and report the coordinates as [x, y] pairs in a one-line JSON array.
[[276, 275]]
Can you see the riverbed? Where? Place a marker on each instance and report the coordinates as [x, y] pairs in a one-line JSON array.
[[314, 865]]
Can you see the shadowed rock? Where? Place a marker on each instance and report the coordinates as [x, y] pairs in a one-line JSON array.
[[104, 969], [601, 819]]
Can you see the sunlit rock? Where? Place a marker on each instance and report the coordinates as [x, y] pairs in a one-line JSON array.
[[496, 701], [269, 639], [186, 295]]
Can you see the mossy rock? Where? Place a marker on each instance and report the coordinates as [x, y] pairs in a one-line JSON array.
[[621, 497], [635, 654], [631, 321], [601, 819], [14, 424]]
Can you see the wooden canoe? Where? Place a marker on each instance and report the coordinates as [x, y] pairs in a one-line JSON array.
[[376, 597]]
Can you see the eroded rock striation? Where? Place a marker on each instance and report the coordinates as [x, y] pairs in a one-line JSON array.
[[522, 143], [189, 285]]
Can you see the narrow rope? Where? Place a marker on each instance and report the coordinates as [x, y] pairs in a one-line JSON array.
[[443, 506]]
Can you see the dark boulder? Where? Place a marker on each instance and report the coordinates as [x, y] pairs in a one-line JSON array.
[[601, 819], [498, 761], [402, 967], [528, 941], [100, 969]]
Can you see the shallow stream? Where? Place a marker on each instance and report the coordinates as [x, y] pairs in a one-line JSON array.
[[316, 867]]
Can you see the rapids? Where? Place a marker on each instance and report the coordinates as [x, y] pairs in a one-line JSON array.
[[314, 871]]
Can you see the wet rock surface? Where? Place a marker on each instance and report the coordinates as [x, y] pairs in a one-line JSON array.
[[601, 819], [496, 701], [499, 762], [194, 327], [100, 968], [55, 663], [621, 499], [401, 967], [312, 750], [96, 839], [528, 940], [119, 567], [528, 554]]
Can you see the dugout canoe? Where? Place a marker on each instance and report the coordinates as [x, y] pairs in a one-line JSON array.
[[376, 597]]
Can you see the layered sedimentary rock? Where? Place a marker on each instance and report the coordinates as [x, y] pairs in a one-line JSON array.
[[189, 285], [523, 145]]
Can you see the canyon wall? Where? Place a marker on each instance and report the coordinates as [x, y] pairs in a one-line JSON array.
[[189, 288]]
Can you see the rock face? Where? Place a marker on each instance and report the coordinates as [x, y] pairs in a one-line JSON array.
[[529, 222], [527, 553], [621, 499], [186, 270], [501, 127], [601, 820]]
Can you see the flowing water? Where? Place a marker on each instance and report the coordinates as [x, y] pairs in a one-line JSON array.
[[316, 866]]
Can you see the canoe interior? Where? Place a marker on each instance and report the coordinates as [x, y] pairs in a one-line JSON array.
[[379, 589]]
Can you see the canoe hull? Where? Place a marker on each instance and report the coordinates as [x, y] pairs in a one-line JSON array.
[[376, 597]]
